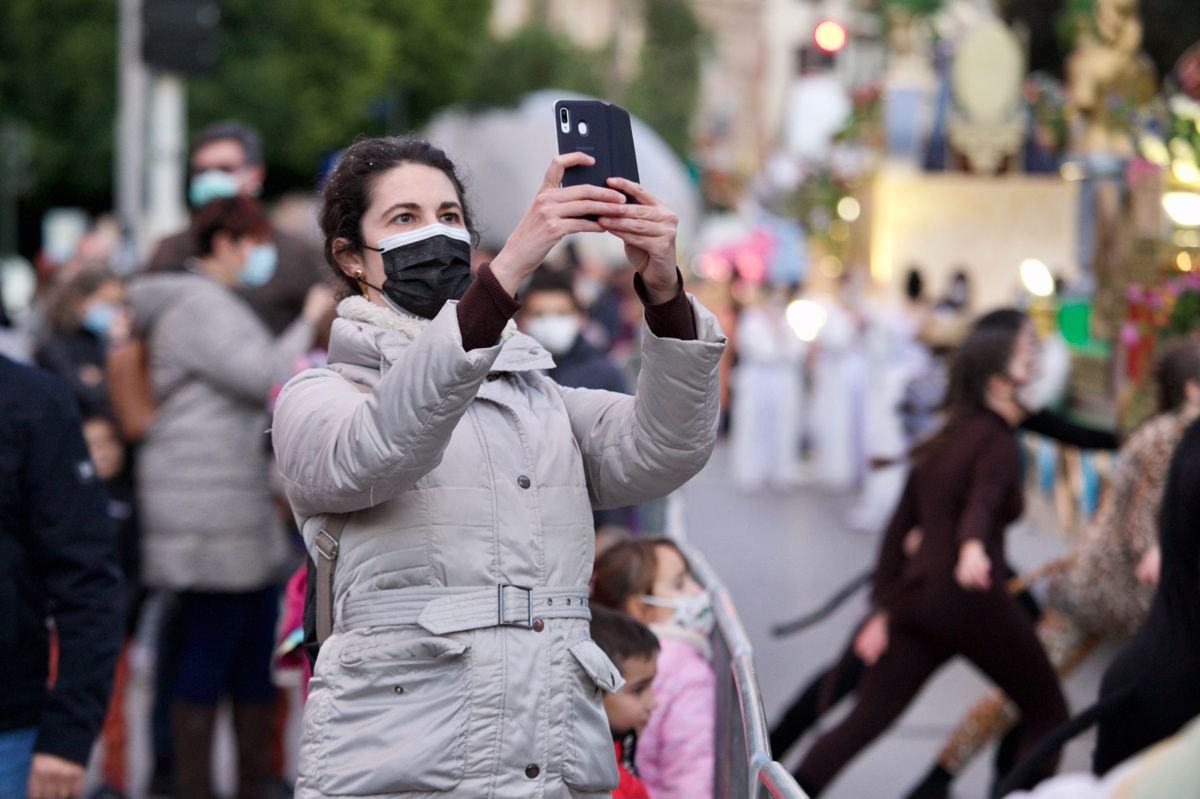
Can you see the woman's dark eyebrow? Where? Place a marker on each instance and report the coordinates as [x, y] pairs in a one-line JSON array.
[[400, 207], [411, 206]]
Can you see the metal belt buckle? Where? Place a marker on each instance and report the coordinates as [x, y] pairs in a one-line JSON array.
[[528, 623], [330, 550]]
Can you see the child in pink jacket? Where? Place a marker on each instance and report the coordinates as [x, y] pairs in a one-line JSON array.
[[649, 579]]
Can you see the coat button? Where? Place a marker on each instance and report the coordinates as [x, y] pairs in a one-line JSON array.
[[538, 625], [524, 482], [532, 771]]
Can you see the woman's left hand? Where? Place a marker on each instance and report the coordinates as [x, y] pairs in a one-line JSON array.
[[1149, 567], [974, 570], [648, 230]]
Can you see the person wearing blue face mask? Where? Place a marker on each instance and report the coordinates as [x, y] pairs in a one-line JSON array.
[[85, 315], [227, 161], [210, 528]]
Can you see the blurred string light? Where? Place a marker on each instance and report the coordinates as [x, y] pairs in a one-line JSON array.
[[1183, 207], [1186, 172], [1184, 262], [1037, 278], [806, 318], [830, 36], [1186, 238], [1072, 170], [831, 266], [849, 209], [712, 267]]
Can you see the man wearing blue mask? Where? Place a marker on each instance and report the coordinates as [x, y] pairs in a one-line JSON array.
[[226, 161]]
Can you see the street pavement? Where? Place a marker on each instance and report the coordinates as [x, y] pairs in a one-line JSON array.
[[782, 554]]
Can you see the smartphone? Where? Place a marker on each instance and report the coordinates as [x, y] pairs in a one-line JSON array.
[[603, 131]]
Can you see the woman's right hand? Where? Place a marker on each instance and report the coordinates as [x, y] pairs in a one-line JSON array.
[[555, 212], [872, 639], [974, 569]]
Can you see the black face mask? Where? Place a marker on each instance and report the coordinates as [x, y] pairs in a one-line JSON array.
[[425, 268]]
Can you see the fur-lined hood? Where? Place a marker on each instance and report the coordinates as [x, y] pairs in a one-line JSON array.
[[367, 339]]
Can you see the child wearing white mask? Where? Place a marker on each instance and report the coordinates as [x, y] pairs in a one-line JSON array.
[[649, 578]]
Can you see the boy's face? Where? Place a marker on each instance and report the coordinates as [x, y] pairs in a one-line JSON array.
[[630, 708], [108, 454]]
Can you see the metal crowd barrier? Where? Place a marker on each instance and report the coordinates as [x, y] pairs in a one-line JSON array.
[[744, 768]]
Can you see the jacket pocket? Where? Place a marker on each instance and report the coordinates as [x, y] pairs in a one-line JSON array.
[[590, 763], [395, 718]]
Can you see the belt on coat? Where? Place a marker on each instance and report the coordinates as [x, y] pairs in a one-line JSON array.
[[450, 610]]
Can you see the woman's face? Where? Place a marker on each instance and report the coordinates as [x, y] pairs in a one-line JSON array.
[[1023, 367], [230, 255], [407, 197], [111, 294]]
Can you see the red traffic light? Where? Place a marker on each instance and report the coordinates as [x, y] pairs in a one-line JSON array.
[[829, 36]]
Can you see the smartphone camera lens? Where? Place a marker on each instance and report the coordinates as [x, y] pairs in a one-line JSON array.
[[564, 120]]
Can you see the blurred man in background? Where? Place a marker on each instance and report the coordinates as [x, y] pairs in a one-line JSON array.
[[552, 314], [227, 160]]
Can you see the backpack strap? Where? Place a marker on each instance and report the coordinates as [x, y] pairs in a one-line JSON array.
[[328, 543]]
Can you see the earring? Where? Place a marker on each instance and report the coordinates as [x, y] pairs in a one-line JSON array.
[[359, 275]]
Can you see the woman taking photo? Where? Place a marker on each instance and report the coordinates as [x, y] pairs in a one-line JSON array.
[[949, 597], [445, 485]]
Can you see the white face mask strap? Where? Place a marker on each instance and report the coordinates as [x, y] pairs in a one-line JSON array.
[[421, 234]]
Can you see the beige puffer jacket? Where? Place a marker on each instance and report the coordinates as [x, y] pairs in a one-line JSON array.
[[209, 519], [466, 475]]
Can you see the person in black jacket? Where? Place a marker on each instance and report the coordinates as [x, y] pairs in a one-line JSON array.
[[1158, 671], [552, 315], [58, 562], [1150, 690]]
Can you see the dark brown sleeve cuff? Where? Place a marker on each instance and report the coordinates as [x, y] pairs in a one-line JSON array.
[[484, 310], [670, 319]]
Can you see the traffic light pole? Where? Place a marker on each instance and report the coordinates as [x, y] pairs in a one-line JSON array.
[[166, 156], [131, 135]]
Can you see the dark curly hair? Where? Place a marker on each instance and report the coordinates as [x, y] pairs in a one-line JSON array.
[[348, 190], [238, 216]]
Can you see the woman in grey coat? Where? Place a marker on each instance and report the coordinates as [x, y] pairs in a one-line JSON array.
[[210, 526], [451, 484]]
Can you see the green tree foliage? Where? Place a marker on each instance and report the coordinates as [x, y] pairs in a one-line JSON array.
[[533, 58], [312, 75], [58, 76], [665, 90]]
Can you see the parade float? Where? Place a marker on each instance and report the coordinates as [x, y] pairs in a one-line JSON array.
[[1072, 191]]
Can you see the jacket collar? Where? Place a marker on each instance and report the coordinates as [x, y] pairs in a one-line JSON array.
[[369, 337]]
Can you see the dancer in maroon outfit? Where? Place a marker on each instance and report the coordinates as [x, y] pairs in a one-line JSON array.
[[949, 597]]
